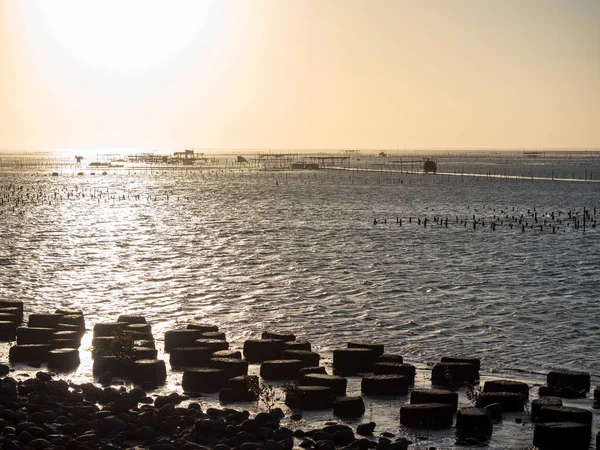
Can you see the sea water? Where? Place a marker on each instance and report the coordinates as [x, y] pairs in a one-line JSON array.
[[328, 255]]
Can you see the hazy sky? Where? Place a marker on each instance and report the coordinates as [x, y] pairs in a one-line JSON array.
[[322, 74]]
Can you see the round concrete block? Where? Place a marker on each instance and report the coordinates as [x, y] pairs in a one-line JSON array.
[[386, 357], [426, 415], [219, 335], [566, 414], [349, 407], [297, 345], [203, 380], [395, 368], [336, 383], [204, 327], [215, 345], [306, 370], [25, 353], [259, 350], [108, 363], [280, 369], [539, 403], [507, 386], [420, 396], [310, 398], [454, 374], [34, 335], [561, 435], [377, 348], [181, 338], [108, 328], [8, 330], [227, 354], [144, 353], [510, 401], [307, 358], [569, 378], [44, 320], [151, 371], [352, 361], [63, 359], [461, 359], [384, 385], [131, 318], [473, 422], [278, 335], [232, 367], [244, 388], [190, 357]]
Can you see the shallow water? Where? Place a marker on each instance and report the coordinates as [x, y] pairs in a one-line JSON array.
[[299, 252]]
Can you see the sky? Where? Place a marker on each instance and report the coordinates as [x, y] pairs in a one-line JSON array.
[[299, 74]]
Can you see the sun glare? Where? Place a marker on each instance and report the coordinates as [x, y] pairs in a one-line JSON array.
[[124, 36]]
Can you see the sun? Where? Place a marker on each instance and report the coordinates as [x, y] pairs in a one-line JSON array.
[[126, 35]]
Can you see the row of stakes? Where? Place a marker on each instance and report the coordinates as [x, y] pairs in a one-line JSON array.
[[209, 366], [553, 221]]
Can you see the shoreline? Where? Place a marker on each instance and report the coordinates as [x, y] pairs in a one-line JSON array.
[[513, 430]]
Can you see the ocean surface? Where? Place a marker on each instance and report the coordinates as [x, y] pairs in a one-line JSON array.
[[299, 251]]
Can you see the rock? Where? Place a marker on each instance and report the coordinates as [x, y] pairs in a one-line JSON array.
[[366, 429], [349, 407], [40, 444], [426, 415], [343, 437], [109, 428], [105, 377]]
